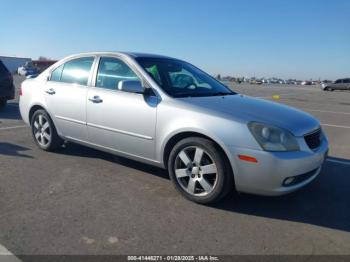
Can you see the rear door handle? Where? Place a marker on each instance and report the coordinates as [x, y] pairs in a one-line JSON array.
[[96, 99], [51, 91]]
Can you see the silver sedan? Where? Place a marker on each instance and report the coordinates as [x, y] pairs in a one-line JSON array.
[[166, 112]]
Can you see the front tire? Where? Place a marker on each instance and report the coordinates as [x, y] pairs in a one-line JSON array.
[[44, 131], [199, 171]]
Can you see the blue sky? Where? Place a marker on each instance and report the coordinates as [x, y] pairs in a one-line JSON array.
[[297, 39]]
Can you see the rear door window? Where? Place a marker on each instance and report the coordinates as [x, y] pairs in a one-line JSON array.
[[56, 74], [77, 71]]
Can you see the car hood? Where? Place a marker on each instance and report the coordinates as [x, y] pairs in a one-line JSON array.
[[247, 109]]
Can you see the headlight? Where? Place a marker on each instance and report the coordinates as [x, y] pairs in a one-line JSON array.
[[273, 138]]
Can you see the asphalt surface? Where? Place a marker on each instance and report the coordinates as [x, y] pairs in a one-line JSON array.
[[82, 201]]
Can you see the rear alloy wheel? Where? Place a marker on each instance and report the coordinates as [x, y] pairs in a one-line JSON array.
[[44, 131], [198, 170]]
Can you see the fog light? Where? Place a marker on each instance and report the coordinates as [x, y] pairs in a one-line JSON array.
[[288, 181]]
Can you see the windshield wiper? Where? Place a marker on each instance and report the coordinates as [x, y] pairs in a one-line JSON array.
[[203, 95], [222, 94], [183, 95]]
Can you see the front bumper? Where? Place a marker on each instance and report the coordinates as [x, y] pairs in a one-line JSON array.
[[267, 176]]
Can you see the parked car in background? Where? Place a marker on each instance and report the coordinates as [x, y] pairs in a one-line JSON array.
[[32, 76], [7, 89], [27, 69], [42, 64], [13, 62], [168, 113], [274, 81], [306, 83], [255, 81], [327, 82], [340, 84], [291, 82]]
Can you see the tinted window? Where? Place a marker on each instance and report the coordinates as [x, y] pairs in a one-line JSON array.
[[338, 81], [181, 79], [77, 71], [111, 71], [347, 80], [56, 74], [153, 71], [184, 78]]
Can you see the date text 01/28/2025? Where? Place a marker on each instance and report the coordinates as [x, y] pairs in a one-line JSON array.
[[173, 258]]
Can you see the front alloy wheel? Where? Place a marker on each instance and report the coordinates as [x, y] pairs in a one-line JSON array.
[[199, 171], [195, 171]]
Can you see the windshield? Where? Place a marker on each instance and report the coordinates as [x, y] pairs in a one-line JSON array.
[[181, 79]]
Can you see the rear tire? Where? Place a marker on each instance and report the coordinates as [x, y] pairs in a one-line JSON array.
[[199, 170], [44, 131]]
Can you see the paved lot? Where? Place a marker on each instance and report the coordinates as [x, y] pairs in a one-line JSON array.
[[82, 201]]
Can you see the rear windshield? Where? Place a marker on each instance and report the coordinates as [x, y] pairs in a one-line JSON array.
[[3, 68]]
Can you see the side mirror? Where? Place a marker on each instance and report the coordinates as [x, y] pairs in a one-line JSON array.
[[131, 86]]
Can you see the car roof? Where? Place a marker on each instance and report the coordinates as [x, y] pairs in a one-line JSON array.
[[130, 54], [135, 55]]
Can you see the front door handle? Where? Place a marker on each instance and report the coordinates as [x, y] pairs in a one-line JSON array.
[[51, 91], [96, 99]]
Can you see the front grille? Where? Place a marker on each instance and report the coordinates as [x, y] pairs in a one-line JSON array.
[[313, 140]]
